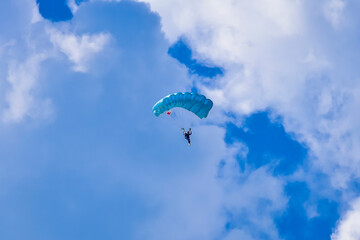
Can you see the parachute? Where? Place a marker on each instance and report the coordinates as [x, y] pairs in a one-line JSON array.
[[196, 103]]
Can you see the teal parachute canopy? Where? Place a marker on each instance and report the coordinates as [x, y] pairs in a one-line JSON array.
[[196, 103]]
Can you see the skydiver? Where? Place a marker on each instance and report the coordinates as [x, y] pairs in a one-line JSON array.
[[187, 135]]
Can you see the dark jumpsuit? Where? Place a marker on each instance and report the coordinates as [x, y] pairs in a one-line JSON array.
[[187, 135]]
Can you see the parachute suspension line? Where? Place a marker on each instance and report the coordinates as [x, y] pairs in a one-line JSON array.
[[185, 119], [181, 117], [176, 117], [173, 117]]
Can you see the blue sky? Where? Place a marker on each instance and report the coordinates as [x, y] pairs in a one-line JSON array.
[[83, 157]]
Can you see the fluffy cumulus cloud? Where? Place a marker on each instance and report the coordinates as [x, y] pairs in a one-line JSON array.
[[97, 81], [21, 101], [348, 228], [333, 11], [104, 148], [294, 57], [212, 203], [289, 56], [24, 51], [78, 49], [20, 65]]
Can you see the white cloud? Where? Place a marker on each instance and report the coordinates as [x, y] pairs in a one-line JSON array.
[[279, 55], [199, 195], [21, 60], [73, 6], [25, 54], [275, 56], [333, 11], [25, 48], [348, 228], [79, 49], [194, 204], [36, 17], [21, 101], [245, 192]]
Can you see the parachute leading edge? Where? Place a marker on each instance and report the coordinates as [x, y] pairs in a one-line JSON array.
[[196, 103]]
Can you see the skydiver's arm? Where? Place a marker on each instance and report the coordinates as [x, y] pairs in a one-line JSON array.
[[183, 130]]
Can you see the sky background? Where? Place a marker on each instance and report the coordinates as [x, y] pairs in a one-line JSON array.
[[83, 157]]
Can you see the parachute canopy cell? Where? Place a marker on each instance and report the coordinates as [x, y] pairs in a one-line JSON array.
[[196, 103]]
